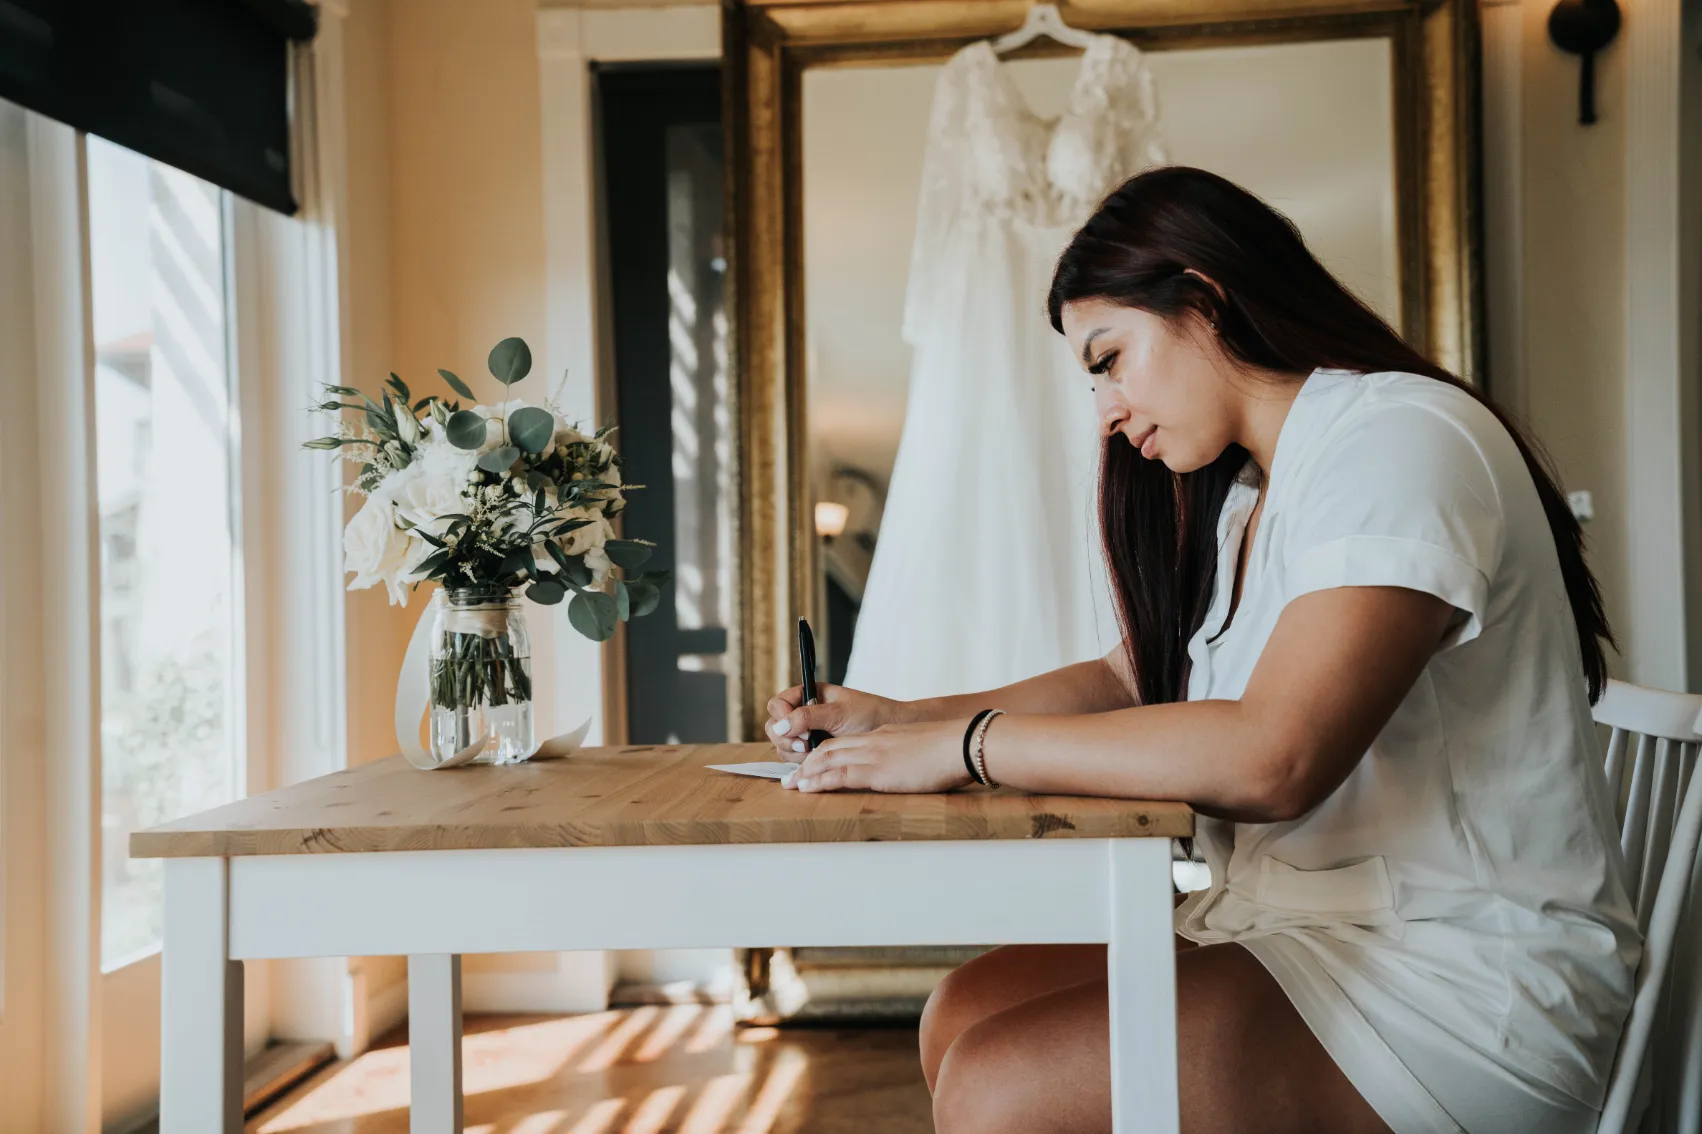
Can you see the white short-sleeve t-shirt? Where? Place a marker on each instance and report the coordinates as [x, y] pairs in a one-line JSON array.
[[1464, 884]]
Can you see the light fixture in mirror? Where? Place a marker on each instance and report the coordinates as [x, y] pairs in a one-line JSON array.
[[830, 518]]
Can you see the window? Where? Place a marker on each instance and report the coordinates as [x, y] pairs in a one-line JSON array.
[[165, 425]]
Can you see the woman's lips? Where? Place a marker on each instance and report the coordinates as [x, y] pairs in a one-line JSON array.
[[1146, 442]]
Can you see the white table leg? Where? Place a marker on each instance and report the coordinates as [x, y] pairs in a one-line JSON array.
[[434, 1043], [1142, 980], [200, 1003]]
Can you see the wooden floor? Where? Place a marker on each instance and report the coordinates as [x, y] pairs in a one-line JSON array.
[[655, 1070]]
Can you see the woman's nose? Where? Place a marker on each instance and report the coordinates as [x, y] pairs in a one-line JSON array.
[[1112, 417]]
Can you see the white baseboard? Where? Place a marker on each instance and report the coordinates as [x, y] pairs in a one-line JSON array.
[[579, 983], [387, 1009]]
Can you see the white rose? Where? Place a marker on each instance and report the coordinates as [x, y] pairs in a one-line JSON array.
[[376, 550], [434, 486], [589, 538], [597, 560]]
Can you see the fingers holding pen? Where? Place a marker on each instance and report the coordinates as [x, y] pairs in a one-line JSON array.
[[830, 767]]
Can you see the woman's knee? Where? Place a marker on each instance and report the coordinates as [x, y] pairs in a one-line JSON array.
[[976, 1090], [993, 982], [950, 1009]]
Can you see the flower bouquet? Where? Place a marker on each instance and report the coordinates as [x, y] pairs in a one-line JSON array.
[[486, 500]]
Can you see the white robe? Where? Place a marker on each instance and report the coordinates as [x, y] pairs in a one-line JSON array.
[[1452, 922]]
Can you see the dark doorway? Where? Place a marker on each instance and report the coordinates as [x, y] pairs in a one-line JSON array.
[[662, 169]]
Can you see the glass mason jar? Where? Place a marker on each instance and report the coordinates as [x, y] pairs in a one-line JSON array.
[[481, 676]]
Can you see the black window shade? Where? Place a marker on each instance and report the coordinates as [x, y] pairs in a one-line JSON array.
[[203, 85]]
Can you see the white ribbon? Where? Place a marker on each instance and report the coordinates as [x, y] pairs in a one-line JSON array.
[[412, 695]]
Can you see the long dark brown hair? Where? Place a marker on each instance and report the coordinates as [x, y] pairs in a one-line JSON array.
[[1280, 310]]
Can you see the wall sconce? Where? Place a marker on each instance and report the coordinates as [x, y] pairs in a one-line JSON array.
[[830, 518], [1584, 27]]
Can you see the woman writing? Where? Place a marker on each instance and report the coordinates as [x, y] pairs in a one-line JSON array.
[[1362, 642]]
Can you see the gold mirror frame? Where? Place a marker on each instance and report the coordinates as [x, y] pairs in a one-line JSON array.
[[767, 46]]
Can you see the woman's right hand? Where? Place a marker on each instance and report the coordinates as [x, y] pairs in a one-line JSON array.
[[838, 711]]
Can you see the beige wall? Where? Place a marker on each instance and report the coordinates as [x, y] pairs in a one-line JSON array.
[[444, 240], [467, 253], [376, 633], [446, 257], [1574, 346]]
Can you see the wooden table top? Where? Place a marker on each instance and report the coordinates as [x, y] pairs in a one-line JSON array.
[[633, 796]]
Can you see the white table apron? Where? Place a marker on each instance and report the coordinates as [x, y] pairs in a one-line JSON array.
[[433, 906]]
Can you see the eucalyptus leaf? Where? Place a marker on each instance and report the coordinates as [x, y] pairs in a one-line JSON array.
[[643, 596], [623, 602], [532, 428], [557, 554], [627, 553], [461, 388], [466, 430], [547, 591], [433, 561], [593, 614], [498, 459], [517, 562], [577, 573], [510, 360]]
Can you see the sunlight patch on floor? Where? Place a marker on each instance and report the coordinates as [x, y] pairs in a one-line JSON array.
[[493, 1060], [674, 1069]]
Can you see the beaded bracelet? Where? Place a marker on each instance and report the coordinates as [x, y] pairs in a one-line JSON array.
[[977, 749], [968, 736]]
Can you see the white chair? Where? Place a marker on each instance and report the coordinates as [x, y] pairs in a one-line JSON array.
[[1656, 1087]]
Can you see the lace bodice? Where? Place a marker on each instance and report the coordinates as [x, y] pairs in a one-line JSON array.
[[991, 157]]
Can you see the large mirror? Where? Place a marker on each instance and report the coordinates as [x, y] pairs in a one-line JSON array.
[[918, 447]]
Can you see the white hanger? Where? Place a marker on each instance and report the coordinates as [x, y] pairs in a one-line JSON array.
[[1043, 19]]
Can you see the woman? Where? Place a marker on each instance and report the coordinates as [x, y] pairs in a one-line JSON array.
[[1362, 642]]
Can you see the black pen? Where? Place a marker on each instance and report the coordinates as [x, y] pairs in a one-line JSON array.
[[807, 663]]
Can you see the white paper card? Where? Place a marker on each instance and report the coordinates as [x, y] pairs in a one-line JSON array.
[[777, 770]]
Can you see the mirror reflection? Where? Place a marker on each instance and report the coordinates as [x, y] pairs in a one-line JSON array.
[[946, 419]]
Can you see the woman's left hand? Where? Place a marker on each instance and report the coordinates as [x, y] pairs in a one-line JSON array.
[[925, 757]]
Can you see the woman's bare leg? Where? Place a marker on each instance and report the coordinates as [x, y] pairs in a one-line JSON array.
[[995, 981], [1001, 979], [1247, 1060]]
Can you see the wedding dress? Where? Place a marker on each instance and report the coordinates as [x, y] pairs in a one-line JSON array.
[[987, 567]]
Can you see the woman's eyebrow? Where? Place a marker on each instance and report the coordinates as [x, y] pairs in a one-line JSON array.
[[1087, 345]]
